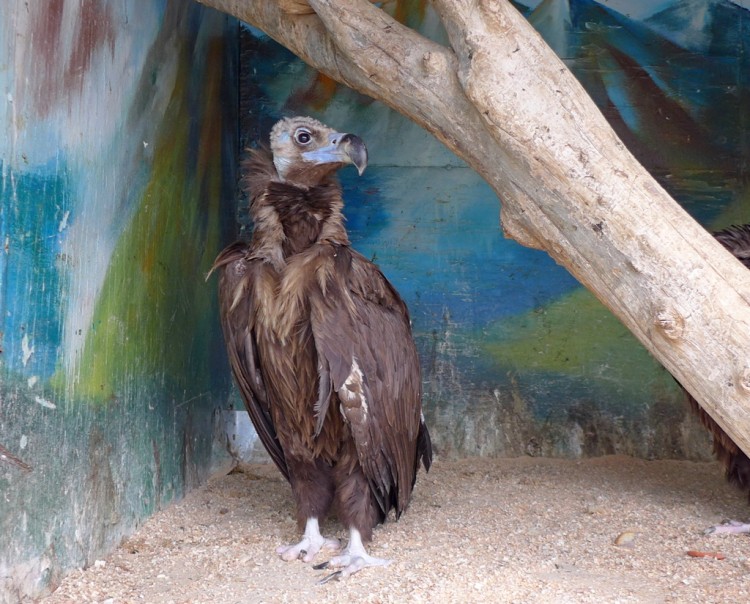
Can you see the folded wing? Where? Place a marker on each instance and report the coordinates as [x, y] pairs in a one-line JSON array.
[[238, 315], [368, 358]]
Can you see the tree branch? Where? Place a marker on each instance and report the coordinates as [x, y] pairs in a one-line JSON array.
[[503, 101]]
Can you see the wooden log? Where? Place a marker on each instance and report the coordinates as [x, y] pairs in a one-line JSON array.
[[504, 102], [298, 7]]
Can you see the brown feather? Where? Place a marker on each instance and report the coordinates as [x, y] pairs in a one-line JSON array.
[[237, 320], [319, 342], [737, 240]]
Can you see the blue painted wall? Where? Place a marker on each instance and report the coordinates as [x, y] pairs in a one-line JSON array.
[[117, 188]]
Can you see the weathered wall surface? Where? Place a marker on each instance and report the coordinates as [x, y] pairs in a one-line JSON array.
[[117, 155], [518, 357]]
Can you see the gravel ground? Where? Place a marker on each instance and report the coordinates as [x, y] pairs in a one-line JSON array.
[[501, 530]]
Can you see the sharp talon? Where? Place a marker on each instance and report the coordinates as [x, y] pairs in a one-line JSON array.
[[330, 577], [321, 566]]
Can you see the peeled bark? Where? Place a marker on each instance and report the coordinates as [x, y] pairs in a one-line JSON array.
[[503, 101]]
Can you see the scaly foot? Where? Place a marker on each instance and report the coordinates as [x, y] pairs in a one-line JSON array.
[[351, 560], [312, 542]]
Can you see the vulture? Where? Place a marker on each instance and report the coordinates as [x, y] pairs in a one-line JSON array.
[[320, 346], [736, 464]]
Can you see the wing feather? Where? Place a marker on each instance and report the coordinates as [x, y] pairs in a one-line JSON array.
[[363, 338], [239, 275]]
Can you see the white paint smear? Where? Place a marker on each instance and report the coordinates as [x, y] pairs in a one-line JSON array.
[[26, 350], [45, 403], [64, 222]]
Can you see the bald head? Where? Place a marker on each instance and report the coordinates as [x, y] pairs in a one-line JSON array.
[[305, 151]]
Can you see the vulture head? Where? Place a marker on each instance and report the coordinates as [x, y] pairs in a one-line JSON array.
[[306, 151]]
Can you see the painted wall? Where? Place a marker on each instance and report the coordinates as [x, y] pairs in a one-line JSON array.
[[518, 358], [117, 187]]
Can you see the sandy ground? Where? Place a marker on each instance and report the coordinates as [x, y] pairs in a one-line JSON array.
[[499, 530]]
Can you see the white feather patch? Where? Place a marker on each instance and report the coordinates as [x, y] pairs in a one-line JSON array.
[[239, 291], [352, 393]]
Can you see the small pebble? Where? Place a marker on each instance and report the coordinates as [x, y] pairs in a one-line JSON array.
[[625, 539]]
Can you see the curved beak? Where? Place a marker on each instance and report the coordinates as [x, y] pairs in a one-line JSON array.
[[342, 148]]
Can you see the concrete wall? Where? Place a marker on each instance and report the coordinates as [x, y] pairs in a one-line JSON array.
[[117, 183]]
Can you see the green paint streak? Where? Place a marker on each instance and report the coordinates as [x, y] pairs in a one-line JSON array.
[[153, 321], [578, 336]]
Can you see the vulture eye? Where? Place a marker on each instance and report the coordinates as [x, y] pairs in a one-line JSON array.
[[302, 136]]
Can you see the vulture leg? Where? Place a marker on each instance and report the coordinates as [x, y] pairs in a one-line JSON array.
[[357, 511], [312, 542], [313, 491], [352, 559]]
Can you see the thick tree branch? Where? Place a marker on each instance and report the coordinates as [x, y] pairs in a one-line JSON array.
[[503, 101]]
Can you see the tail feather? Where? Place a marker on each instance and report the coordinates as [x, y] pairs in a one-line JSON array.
[[736, 463], [736, 239], [424, 447]]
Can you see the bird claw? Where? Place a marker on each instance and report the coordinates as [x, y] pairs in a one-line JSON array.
[[337, 575], [348, 564], [306, 550], [354, 558], [351, 563]]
